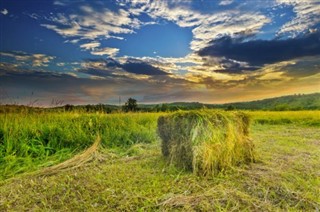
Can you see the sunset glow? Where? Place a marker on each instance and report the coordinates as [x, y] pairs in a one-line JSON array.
[[88, 52]]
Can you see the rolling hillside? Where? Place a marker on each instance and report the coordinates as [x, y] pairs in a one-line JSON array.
[[292, 102]]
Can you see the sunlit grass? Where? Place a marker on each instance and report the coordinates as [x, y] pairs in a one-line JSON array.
[[132, 175], [29, 141], [310, 118], [33, 140], [205, 141], [285, 178]]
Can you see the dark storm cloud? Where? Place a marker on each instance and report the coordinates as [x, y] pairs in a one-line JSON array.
[[39, 75], [96, 72], [100, 67], [305, 67], [109, 62], [227, 65], [260, 52], [109, 66], [17, 83], [23, 58], [13, 70], [211, 83], [234, 67], [139, 67]]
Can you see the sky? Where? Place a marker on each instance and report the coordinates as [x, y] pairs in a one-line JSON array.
[[211, 51]]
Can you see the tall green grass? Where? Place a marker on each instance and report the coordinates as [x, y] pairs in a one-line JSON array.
[[308, 118], [30, 141]]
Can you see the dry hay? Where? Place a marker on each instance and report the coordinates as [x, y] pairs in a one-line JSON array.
[[74, 162], [205, 141]]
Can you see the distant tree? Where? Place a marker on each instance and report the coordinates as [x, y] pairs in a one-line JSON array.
[[164, 108], [281, 107], [156, 108], [230, 107], [130, 105], [68, 107]]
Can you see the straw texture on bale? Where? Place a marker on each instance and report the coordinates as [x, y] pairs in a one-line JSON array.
[[205, 141]]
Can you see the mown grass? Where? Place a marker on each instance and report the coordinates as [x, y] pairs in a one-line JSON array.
[[133, 176]]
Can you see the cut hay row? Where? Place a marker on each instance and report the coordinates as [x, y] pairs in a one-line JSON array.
[[74, 162], [205, 141]]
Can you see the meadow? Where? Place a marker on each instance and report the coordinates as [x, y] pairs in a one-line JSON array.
[[127, 171]]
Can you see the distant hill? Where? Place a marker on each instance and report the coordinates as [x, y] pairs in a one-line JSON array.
[[292, 102]]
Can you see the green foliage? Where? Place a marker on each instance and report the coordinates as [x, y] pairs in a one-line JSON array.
[[29, 141], [284, 103], [131, 105], [230, 107]]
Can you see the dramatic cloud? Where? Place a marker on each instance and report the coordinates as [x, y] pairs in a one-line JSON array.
[[111, 67], [90, 23], [100, 67], [223, 65], [142, 68], [182, 15], [37, 60], [96, 51], [206, 27], [232, 23], [93, 24], [260, 52]]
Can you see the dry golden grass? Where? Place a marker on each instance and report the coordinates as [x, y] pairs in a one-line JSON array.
[[74, 162]]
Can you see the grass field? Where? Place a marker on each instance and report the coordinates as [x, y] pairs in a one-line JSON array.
[[128, 172]]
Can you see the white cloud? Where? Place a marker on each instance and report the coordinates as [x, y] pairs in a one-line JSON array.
[[225, 2], [59, 3], [206, 27], [74, 41], [181, 15], [92, 24], [307, 16], [90, 46], [96, 25], [4, 12], [226, 23], [105, 51], [72, 31]]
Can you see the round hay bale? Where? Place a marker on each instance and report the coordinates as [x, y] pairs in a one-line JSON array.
[[206, 141]]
